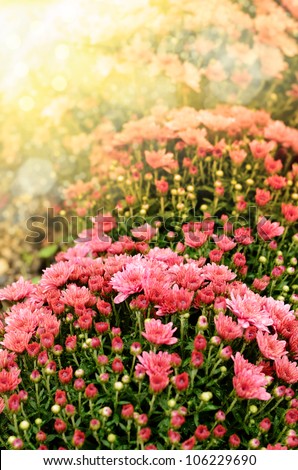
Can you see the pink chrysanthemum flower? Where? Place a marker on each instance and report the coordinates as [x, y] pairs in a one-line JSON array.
[[159, 333], [290, 212], [166, 255], [269, 345], [9, 380], [49, 324], [152, 363], [55, 276], [226, 328], [249, 310], [224, 243], [75, 295], [195, 239], [187, 276], [22, 319], [174, 300], [286, 370], [215, 273], [278, 311], [268, 230], [144, 232], [249, 381], [129, 280], [251, 386], [7, 359], [17, 290], [16, 341], [160, 159]]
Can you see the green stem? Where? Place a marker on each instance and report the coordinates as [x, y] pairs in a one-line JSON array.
[[152, 404], [231, 405]]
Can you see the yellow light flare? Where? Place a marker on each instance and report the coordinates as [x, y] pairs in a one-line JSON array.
[[26, 103], [62, 52], [59, 83]]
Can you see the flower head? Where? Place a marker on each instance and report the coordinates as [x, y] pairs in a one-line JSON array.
[[159, 333]]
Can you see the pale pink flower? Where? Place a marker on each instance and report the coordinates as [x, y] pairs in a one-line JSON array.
[[9, 380], [216, 273], [160, 159], [226, 328], [144, 232], [159, 333], [187, 276], [16, 341], [276, 182], [260, 150], [249, 310], [238, 156], [128, 281], [174, 300], [286, 370], [55, 276], [195, 239], [268, 230], [75, 295], [241, 365], [103, 223], [290, 212], [166, 255], [249, 381], [6, 359], [248, 386], [224, 243], [17, 290], [49, 324], [278, 311], [155, 363], [22, 319], [269, 345], [243, 236]]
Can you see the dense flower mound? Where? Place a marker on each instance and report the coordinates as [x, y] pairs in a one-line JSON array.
[[148, 350], [172, 321], [183, 161]]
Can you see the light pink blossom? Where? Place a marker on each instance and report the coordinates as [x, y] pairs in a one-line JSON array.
[[159, 333], [155, 363], [269, 345]]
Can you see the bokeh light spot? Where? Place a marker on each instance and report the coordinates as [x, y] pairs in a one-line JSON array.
[[59, 83], [35, 177], [62, 52], [26, 103]]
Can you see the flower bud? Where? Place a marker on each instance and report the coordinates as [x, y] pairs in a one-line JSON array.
[[24, 425], [79, 373], [253, 409], [171, 403], [206, 396], [94, 424], [118, 386], [56, 409]]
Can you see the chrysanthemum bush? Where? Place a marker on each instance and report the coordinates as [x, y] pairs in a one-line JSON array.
[[172, 322], [152, 350]]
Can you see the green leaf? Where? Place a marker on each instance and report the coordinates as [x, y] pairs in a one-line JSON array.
[[48, 251]]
